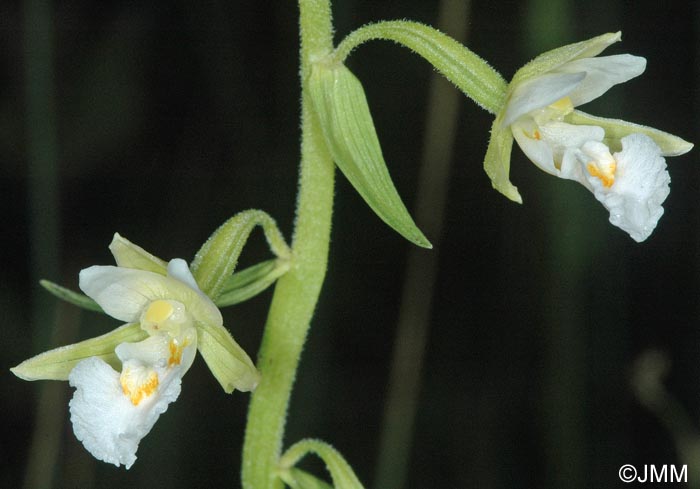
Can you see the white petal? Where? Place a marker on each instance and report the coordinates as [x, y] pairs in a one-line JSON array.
[[641, 186], [601, 74], [105, 420], [537, 151], [539, 92], [179, 270], [554, 152], [124, 292]]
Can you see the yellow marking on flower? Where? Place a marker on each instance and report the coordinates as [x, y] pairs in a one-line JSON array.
[[563, 105], [537, 135], [605, 175], [175, 353], [136, 387], [158, 311]]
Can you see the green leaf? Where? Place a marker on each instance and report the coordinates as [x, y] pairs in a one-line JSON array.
[[217, 258], [248, 283], [616, 129], [75, 298], [341, 106], [497, 161], [341, 472], [228, 362], [470, 73], [57, 364], [129, 255], [299, 479]]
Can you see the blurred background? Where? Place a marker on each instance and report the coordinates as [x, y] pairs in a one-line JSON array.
[[536, 346]]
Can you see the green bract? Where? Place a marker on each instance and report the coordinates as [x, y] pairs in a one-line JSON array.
[[216, 260], [341, 106], [341, 472]]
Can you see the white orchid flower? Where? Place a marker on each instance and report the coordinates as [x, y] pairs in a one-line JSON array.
[[621, 163], [126, 379]]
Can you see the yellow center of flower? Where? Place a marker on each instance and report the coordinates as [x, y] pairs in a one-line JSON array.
[[563, 105], [138, 383], [158, 312]]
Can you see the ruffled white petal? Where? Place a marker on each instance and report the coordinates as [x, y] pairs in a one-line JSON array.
[[123, 293], [601, 74], [538, 93], [641, 186], [105, 420]]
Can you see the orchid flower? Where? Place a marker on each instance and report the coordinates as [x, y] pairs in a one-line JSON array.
[[621, 163], [165, 314]]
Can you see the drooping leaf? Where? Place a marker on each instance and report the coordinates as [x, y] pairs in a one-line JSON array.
[[339, 102]]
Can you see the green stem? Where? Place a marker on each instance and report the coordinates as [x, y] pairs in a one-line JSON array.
[[296, 292]]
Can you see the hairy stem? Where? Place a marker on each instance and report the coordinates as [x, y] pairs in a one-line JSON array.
[[296, 292]]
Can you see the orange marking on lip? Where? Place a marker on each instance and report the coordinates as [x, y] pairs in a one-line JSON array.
[[175, 353], [136, 392], [607, 178]]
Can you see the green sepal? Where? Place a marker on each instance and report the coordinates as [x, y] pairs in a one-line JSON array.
[[497, 161], [248, 283], [299, 479], [339, 102], [553, 59], [228, 362], [57, 364], [217, 258], [615, 130], [341, 472], [469, 72], [75, 298], [129, 255]]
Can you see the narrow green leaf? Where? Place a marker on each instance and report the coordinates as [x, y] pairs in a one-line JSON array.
[[497, 161], [228, 362], [75, 298], [616, 129], [217, 258], [340, 103], [299, 479], [56, 364], [248, 283], [470, 73], [129, 255], [341, 472]]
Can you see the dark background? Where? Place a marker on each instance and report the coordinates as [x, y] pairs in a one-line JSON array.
[[170, 117]]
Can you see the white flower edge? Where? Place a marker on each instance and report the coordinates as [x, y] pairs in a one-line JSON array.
[[641, 186], [108, 424]]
